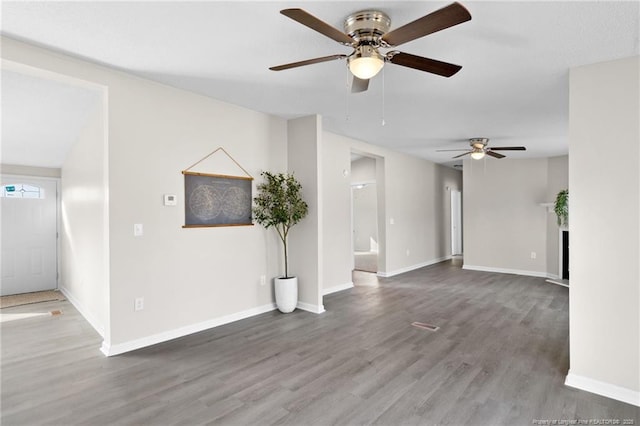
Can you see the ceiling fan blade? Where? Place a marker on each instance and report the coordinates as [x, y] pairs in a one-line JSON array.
[[494, 154], [446, 17], [307, 62], [307, 19], [450, 150], [508, 148], [359, 85], [444, 69], [462, 155]]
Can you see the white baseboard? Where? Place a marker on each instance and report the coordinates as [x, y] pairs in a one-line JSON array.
[[506, 271], [412, 267], [316, 309], [337, 288], [556, 282], [120, 348], [602, 388], [95, 323]]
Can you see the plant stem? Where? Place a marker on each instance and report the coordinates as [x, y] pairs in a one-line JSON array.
[[286, 266], [285, 232]]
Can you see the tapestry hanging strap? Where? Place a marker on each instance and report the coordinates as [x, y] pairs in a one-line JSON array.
[[213, 152]]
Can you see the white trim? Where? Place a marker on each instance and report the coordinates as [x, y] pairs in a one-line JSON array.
[[315, 309], [337, 288], [413, 267], [603, 388], [45, 74], [106, 243], [556, 282], [507, 271], [95, 323], [120, 348]]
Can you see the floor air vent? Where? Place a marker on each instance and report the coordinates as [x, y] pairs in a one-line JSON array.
[[425, 326]]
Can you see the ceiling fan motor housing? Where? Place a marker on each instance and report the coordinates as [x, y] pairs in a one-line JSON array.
[[478, 143], [367, 26]]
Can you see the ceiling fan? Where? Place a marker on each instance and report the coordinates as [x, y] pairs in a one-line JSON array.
[[367, 32], [479, 149]]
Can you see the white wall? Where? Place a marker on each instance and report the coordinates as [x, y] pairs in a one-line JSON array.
[[187, 276], [503, 219], [84, 231], [604, 182], [305, 240], [363, 170], [190, 279], [336, 211], [412, 191]]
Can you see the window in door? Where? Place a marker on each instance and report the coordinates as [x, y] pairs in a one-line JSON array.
[[22, 190]]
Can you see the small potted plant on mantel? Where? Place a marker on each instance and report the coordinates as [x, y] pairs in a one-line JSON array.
[[561, 208], [279, 204]]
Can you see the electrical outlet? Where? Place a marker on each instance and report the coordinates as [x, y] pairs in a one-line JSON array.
[[408, 252], [392, 221], [138, 304], [263, 280], [138, 230], [533, 254]]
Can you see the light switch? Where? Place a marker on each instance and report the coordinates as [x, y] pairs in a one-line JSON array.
[[137, 230]]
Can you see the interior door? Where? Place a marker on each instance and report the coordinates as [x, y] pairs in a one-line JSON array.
[[29, 235], [456, 223]]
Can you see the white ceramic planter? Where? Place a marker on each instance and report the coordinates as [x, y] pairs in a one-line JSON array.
[[286, 294]]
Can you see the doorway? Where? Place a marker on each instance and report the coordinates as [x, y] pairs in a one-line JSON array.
[[456, 223], [364, 208], [29, 234]]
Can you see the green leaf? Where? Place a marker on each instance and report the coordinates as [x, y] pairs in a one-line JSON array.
[[561, 207], [279, 204]]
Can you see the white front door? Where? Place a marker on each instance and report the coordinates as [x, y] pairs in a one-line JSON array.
[[29, 235]]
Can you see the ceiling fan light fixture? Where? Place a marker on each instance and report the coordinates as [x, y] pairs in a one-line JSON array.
[[477, 154], [365, 62]]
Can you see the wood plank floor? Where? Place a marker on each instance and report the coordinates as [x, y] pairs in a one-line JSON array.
[[499, 358]]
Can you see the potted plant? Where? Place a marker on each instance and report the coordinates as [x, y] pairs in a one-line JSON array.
[[279, 204], [561, 207]]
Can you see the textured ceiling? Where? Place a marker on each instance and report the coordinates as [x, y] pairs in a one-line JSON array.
[[513, 87]]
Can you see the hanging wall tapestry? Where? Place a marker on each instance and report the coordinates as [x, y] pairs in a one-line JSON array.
[[217, 200]]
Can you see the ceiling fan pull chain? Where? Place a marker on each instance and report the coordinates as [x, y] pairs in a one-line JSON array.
[[347, 92], [383, 99]]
